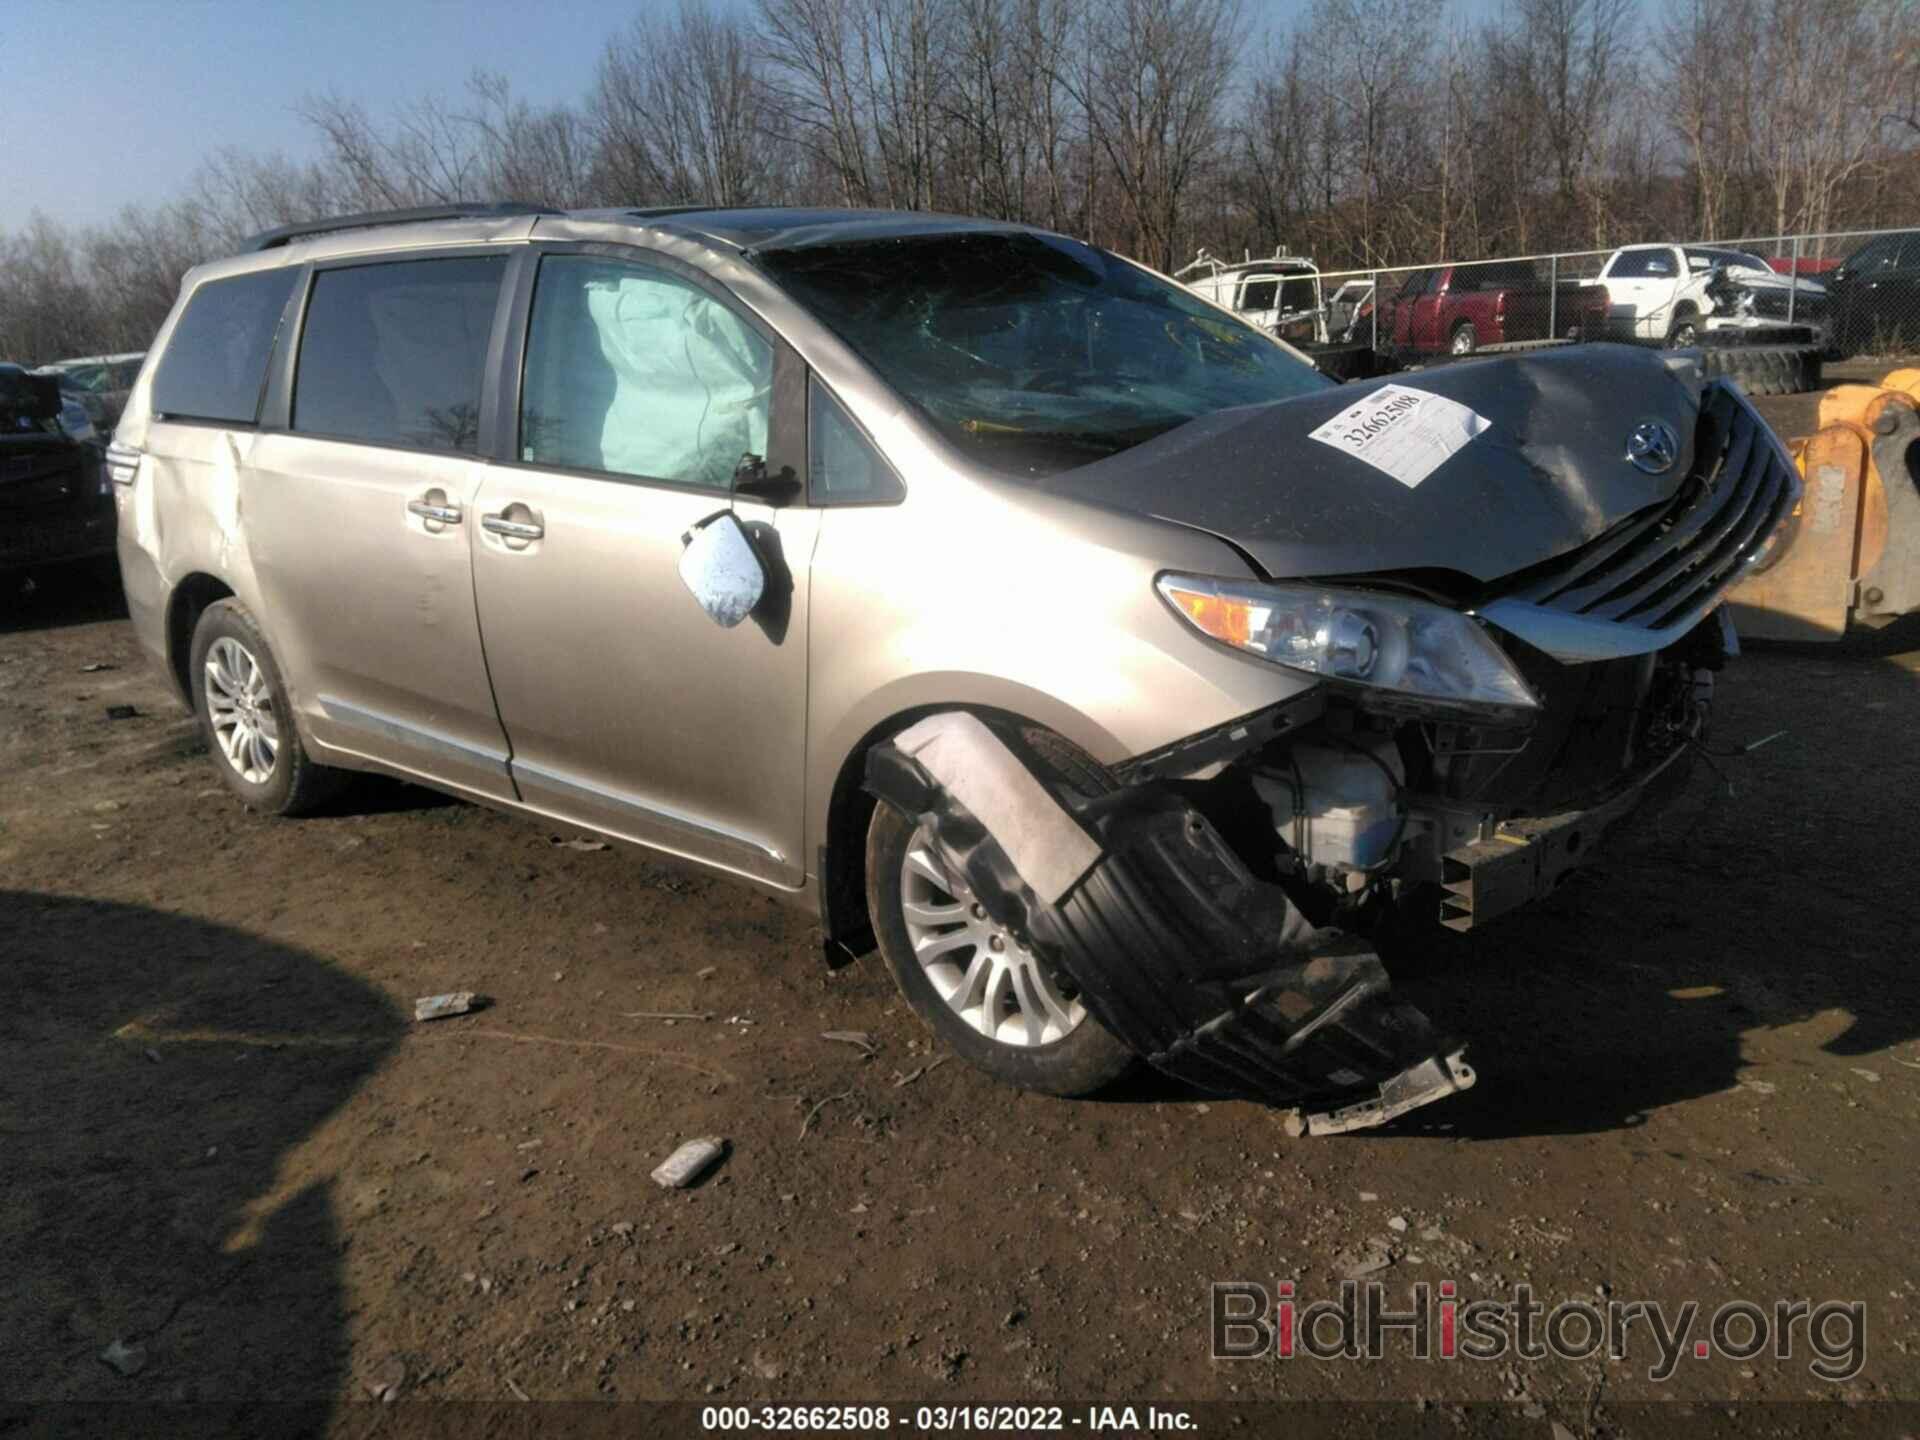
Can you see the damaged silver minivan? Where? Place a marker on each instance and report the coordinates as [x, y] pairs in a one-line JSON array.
[[996, 599]]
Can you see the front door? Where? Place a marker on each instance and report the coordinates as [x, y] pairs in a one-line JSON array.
[[358, 511], [626, 707], [1641, 285]]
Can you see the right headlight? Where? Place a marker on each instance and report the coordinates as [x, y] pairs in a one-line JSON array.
[[1386, 643]]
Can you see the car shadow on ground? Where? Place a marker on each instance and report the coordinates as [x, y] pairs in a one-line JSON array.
[[1775, 895], [158, 1075]]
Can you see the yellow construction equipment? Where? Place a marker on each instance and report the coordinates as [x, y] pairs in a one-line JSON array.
[[1850, 554]]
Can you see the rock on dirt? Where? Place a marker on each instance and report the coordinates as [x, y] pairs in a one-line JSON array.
[[439, 1007], [128, 1359], [689, 1162], [386, 1383]]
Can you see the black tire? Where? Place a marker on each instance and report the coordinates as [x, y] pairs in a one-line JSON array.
[[294, 785], [1085, 1060], [1767, 369], [1685, 331], [1463, 332]]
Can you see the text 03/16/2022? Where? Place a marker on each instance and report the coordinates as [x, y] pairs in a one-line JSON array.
[[989, 1419]]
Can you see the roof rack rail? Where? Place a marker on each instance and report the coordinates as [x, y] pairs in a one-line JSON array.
[[287, 234]]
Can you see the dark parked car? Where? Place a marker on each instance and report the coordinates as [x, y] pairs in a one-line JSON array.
[[1875, 295], [100, 383], [55, 502]]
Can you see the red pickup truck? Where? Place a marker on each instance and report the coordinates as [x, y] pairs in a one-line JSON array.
[[1458, 309]]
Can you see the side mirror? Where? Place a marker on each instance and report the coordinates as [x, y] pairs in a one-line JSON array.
[[721, 569]]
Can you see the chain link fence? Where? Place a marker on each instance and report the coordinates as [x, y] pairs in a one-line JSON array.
[[1847, 293]]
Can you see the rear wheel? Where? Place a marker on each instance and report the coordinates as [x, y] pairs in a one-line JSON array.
[[990, 999], [243, 709], [1463, 341]]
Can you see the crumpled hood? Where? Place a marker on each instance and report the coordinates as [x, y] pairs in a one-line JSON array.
[[1756, 279], [1548, 474]]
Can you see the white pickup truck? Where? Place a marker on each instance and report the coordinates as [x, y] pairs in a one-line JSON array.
[[1280, 293], [1680, 295]]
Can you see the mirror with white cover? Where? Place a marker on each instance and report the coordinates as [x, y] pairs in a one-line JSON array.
[[721, 569]]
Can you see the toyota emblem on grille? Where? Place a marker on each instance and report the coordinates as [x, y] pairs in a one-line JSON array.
[[1653, 447]]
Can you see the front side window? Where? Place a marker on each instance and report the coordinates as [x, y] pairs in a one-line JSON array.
[[1259, 294], [843, 467], [631, 371], [394, 353], [1297, 295], [1031, 353], [216, 362]]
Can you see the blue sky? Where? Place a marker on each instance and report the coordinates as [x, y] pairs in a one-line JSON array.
[[103, 102], [109, 102]]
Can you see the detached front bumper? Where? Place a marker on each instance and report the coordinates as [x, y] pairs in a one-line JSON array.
[[1526, 859], [1206, 971], [1765, 330]]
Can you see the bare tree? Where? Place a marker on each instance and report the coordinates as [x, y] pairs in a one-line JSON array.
[[680, 113], [1367, 132], [815, 50], [1158, 73]]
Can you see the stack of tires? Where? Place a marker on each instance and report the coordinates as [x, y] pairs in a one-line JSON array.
[[1765, 369]]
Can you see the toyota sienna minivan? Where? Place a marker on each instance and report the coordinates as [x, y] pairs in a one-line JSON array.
[[994, 598]]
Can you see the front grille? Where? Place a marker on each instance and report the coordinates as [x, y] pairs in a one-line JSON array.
[[1582, 742], [1774, 307], [1670, 562]]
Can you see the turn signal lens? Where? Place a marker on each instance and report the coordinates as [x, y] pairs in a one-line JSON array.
[[1223, 617]]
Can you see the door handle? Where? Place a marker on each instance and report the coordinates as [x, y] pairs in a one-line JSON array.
[[428, 510], [512, 529]]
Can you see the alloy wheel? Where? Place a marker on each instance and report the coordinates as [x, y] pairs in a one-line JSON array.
[[240, 710], [981, 972]]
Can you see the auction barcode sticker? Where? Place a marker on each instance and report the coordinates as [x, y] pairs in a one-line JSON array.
[[1406, 433]]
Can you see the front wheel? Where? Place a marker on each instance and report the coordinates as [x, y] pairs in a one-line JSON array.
[[1464, 341], [973, 984], [1685, 333]]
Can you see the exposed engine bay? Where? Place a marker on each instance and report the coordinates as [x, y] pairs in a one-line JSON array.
[[1754, 313], [1217, 909]]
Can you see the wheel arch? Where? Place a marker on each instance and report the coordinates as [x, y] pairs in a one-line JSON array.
[[841, 869], [186, 603]]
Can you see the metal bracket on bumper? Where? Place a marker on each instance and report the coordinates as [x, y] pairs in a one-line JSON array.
[[1528, 858], [1210, 973]]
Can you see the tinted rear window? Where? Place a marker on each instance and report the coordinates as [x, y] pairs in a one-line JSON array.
[[216, 363], [1631, 264], [394, 353]]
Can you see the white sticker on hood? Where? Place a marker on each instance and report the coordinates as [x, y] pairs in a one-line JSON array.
[[1405, 432]]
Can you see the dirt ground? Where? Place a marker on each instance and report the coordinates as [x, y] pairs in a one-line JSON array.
[[227, 1144]]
